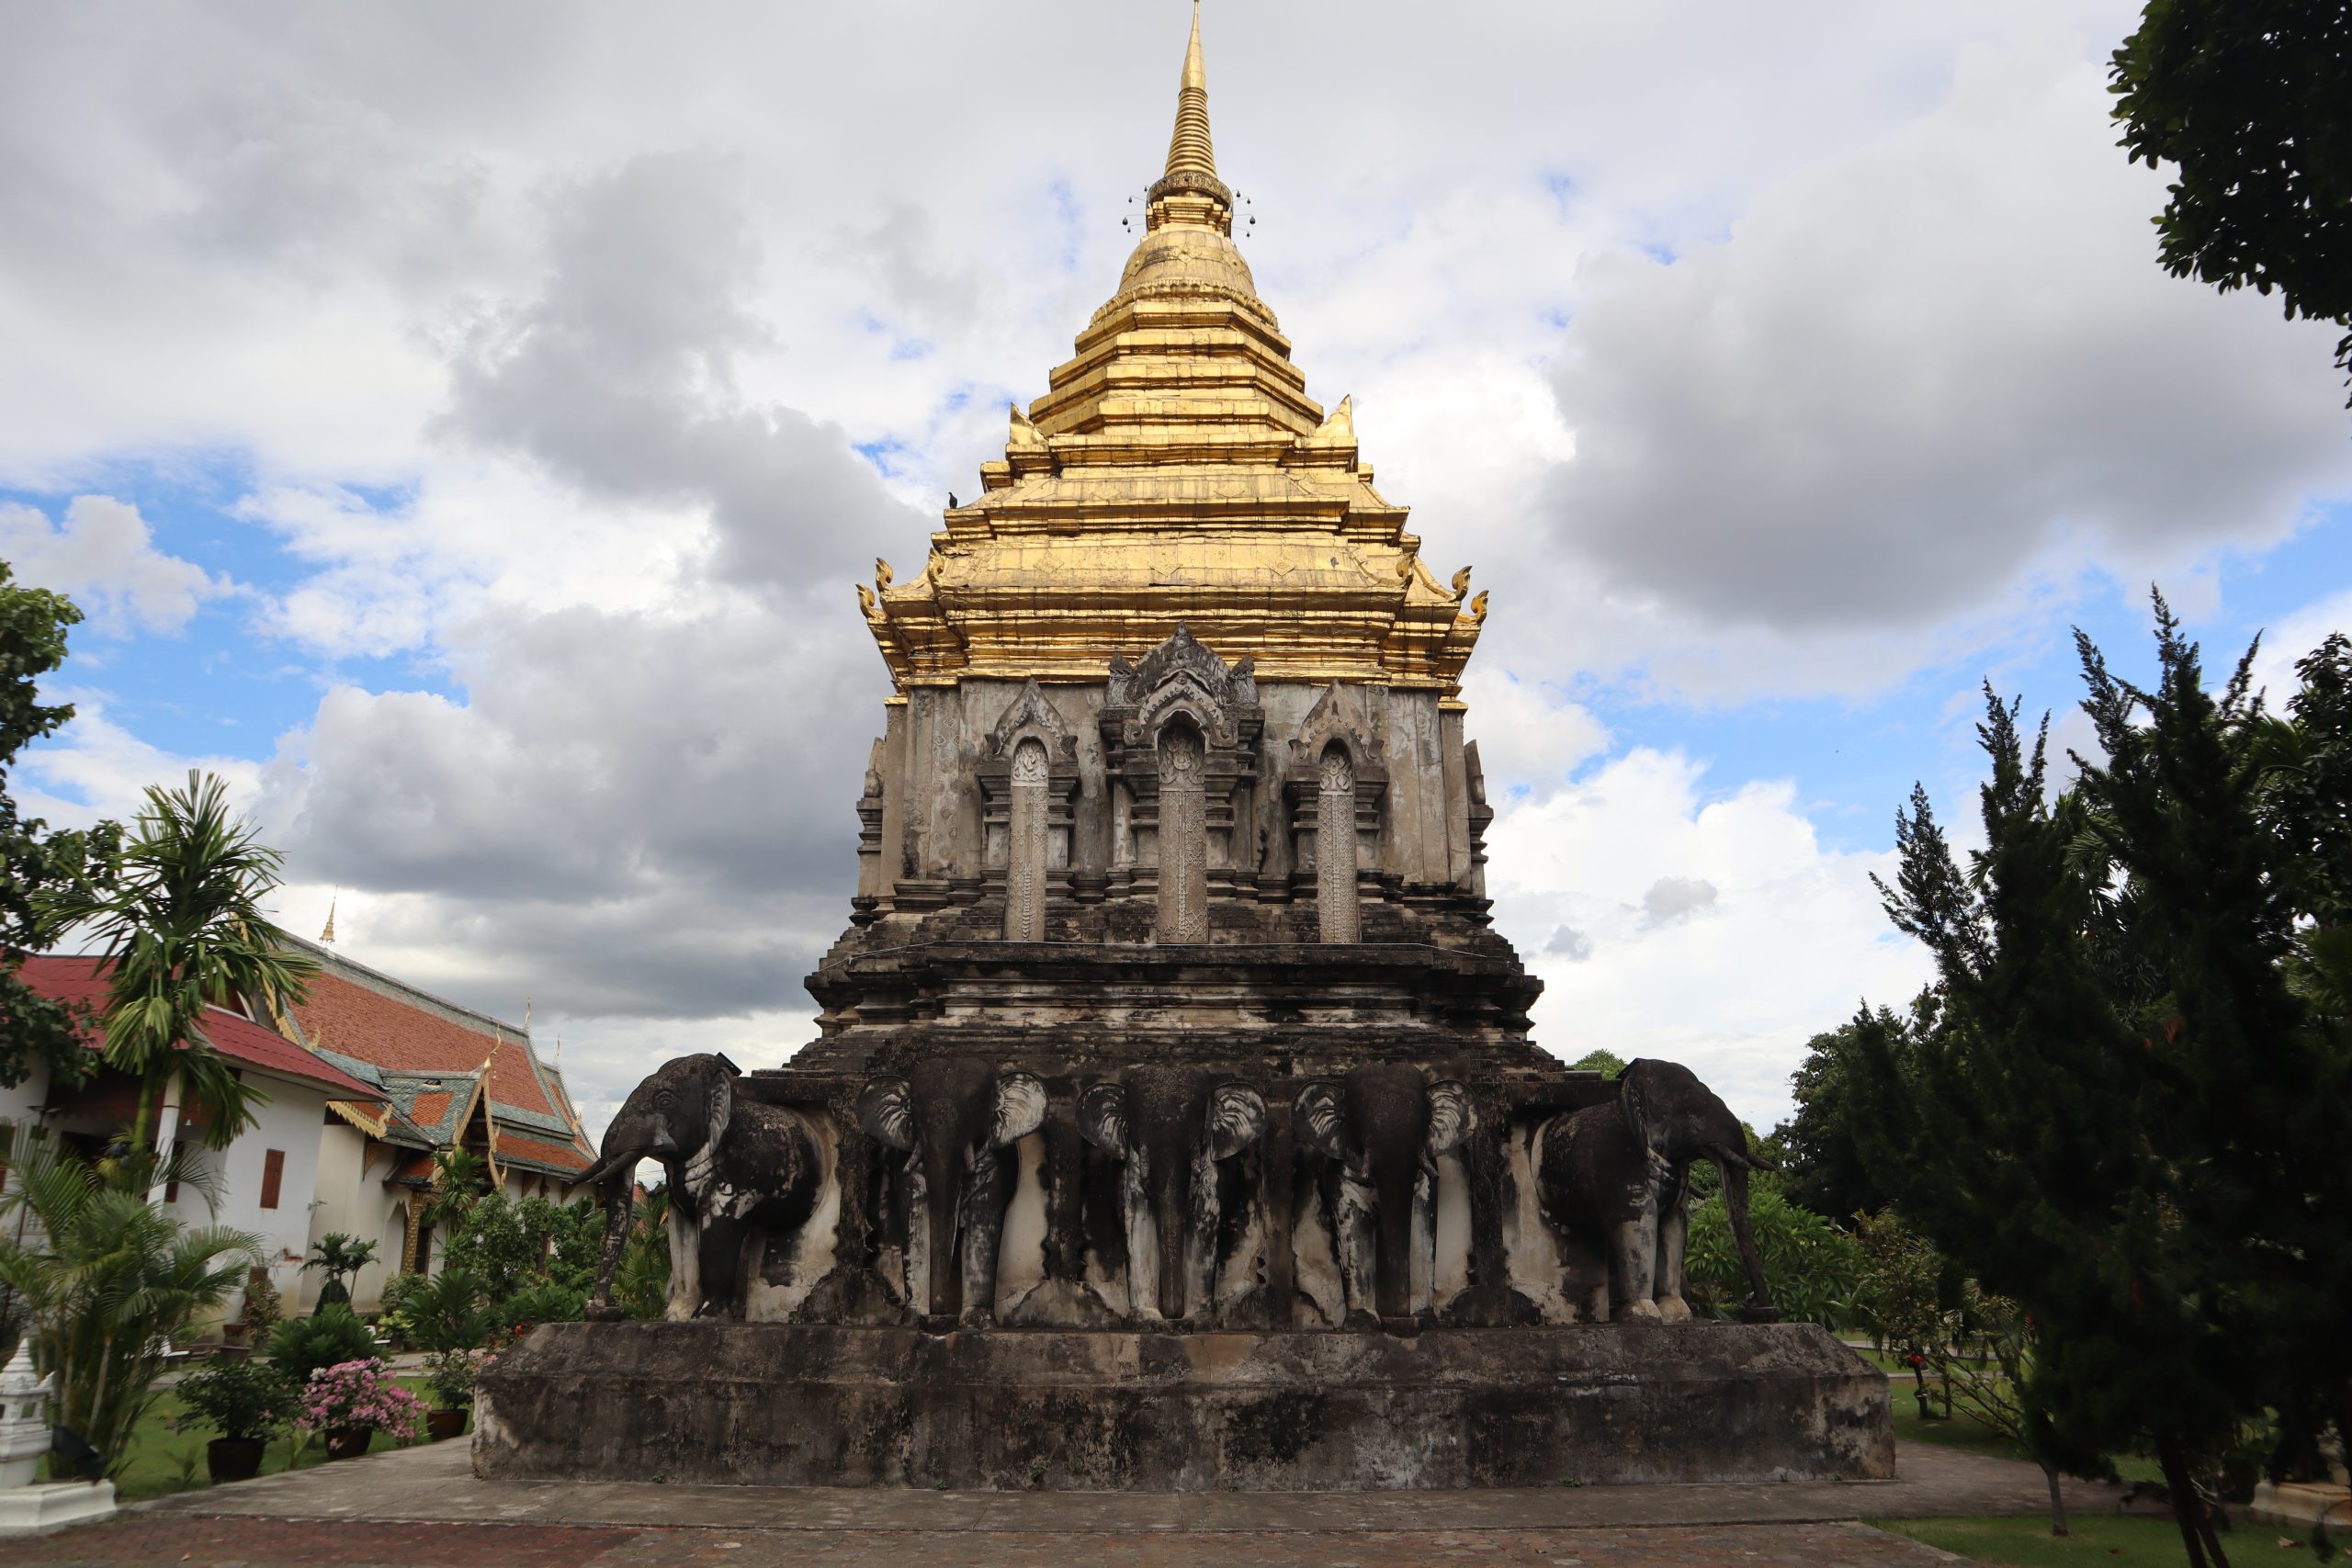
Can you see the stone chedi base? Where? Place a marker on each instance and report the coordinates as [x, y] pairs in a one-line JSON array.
[[816, 1406]]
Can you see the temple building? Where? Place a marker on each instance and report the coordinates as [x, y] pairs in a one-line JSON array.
[[1176, 695], [1173, 1121], [443, 1077]]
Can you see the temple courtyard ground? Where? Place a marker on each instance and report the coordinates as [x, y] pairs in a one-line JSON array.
[[422, 1508]]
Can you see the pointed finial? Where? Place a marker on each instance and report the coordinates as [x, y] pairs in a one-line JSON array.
[[1462, 582], [882, 573], [1188, 151], [328, 933]]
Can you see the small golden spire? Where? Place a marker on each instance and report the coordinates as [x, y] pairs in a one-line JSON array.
[[328, 934], [1188, 151]]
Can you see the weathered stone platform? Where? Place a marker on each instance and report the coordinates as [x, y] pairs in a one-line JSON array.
[[806, 1405]]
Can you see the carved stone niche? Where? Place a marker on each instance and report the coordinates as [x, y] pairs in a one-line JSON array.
[[1028, 780], [1180, 745], [1332, 785]]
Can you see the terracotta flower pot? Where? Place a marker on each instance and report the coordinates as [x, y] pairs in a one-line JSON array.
[[444, 1423], [233, 1459], [349, 1442]]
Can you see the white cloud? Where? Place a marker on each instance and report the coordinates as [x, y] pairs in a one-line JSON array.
[[95, 768], [103, 555], [1922, 373], [1712, 928]]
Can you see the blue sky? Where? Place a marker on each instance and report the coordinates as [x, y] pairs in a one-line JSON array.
[[467, 435]]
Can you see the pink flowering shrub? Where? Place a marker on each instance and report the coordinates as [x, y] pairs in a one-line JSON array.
[[358, 1394]]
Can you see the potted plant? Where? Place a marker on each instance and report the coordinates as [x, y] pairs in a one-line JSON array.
[[340, 1258], [352, 1401], [452, 1375], [262, 1309], [244, 1401]]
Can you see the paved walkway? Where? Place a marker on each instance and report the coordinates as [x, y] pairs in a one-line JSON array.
[[422, 1508]]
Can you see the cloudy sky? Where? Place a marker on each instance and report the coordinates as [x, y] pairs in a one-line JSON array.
[[463, 425]]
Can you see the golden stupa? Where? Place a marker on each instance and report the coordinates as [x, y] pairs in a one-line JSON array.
[[1176, 472]]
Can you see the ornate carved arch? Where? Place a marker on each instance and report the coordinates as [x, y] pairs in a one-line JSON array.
[[1029, 720], [1337, 720], [1181, 679]]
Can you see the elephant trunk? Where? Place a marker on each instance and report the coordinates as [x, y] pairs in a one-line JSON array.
[[620, 1202], [943, 1175], [1734, 1166], [1171, 1203], [1394, 1182]]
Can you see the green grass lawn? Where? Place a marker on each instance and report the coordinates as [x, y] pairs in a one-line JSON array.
[[163, 1460], [2097, 1538]]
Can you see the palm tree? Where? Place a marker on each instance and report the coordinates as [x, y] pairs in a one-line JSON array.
[[183, 930], [110, 1279], [341, 1258]]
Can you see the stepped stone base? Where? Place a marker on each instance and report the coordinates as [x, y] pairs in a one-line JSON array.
[[817, 1406], [38, 1510]]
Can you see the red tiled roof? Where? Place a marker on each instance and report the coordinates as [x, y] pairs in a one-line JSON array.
[[239, 1038], [556, 1157], [431, 1108], [344, 1016]]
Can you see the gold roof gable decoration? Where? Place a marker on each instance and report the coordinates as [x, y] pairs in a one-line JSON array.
[[1176, 472]]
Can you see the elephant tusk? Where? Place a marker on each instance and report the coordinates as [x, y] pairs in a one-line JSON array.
[[625, 1159]]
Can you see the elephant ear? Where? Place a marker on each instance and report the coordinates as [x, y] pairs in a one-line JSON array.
[[1322, 1127], [1633, 1098], [1020, 1107], [1453, 1117], [886, 1114], [1103, 1119], [1236, 1119]]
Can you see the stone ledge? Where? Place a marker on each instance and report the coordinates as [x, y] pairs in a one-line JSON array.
[[816, 1406]]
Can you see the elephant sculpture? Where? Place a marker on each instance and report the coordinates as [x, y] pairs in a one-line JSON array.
[[1612, 1182], [954, 1116], [1376, 1134], [737, 1170], [1176, 1134]]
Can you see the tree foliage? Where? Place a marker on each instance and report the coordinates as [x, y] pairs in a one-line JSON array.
[[2123, 1115], [1811, 1263], [340, 1258], [641, 1282], [1823, 1168], [35, 862], [2253, 100], [111, 1281], [181, 924], [514, 1248]]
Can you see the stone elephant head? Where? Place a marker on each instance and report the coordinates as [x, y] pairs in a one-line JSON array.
[[1379, 1131], [735, 1169], [1171, 1129], [954, 1116]]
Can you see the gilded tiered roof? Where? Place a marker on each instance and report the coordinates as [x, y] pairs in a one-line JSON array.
[[1176, 472]]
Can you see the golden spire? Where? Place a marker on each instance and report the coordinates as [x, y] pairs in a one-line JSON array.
[[328, 934], [1188, 151], [1189, 194]]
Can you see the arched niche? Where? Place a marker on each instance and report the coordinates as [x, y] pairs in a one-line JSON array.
[[1183, 755], [1026, 851], [1332, 789], [1338, 916], [1028, 782], [1181, 685]]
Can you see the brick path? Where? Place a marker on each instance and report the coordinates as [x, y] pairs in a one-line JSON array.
[[422, 1508], [166, 1540]]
